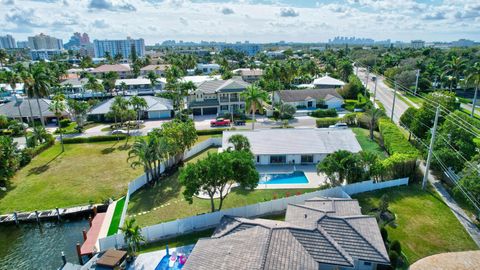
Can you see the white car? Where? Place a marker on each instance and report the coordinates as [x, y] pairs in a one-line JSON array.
[[119, 131], [339, 126]]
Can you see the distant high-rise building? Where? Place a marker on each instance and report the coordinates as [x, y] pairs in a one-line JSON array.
[[249, 49], [80, 43], [7, 42], [122, 47], [44, 42], [417, 44], [463, 43], [22, 44]]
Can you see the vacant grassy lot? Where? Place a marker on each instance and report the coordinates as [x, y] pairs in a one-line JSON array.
[[363, 138], [87, 172], [165, 201], [426, 226]]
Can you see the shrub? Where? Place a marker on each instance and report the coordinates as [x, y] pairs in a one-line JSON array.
[[64, 123], [350, 119], [104, 138], [324, 113], [276, 114], [26, 156], [395, 246], [210, 131], [400, 165], [327, 121], [349, 104], [394, 259], [384, 234], [49, 141], [393, 139], [6, 132]]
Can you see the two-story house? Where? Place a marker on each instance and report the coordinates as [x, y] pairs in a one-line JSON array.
[[217, 96]]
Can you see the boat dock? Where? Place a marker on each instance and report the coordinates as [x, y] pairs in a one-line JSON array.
[[57, 213]]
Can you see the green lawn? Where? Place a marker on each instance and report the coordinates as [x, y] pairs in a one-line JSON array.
[[165, 201], [426, 226], [363, 137], [117, 215], [87, 172]]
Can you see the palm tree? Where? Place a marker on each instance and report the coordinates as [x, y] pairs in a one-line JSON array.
[[254, 98], [38, 134], [119, 107], [58, 106], [122, 87], [454, 67], [373, 114], [141, 155], [41, 85], [28, 88], [474, 79], [153, 79], [93, 84], [133, 235], [138, 104]]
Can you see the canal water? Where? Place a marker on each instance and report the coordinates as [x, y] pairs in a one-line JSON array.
[[33, 246]]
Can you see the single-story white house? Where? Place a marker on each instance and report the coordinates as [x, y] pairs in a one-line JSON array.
[[309, 98], [295, 146], [157, 108], [327, 82]]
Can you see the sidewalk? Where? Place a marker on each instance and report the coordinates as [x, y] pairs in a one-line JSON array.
[[464, 219]]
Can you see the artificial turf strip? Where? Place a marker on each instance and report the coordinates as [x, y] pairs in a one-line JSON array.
[[117, 215]]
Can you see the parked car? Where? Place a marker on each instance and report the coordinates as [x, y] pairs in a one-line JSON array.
[[119, 131], [339, 126], [220, 122], [239, 122]]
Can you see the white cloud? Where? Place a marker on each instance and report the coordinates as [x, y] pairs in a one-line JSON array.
[[288, 12]]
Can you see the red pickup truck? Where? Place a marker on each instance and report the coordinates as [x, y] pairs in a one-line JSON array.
[[220, 122]]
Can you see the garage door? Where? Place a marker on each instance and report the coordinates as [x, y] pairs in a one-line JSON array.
[[212, 110], [197, 111], [158, 114]]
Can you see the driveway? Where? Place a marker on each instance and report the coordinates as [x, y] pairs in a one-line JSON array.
[[262, 122]]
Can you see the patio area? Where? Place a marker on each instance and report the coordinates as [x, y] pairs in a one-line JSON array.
[[150, 260], [314, 180]]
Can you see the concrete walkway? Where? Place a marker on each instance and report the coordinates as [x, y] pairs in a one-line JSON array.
[[464, 219]]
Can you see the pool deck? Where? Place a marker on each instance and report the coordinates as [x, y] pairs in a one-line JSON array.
[[150, 260], [314, 180]]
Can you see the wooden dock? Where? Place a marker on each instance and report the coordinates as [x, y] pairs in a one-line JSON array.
[[58, 213]]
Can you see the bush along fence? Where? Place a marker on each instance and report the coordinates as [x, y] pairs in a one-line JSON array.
[[142, 180], [206, 221]]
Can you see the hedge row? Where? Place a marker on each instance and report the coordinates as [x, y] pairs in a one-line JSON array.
[[104, 138], [394, 140], [324, 113], [327, 121], [50, 140], [210, 131]]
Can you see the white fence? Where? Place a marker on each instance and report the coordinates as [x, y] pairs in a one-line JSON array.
[[142, 180], [205, 221]]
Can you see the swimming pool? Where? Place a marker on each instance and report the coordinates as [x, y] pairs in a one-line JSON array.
[[296, 177]]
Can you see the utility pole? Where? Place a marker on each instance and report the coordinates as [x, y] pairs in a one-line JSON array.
[[374, 78], [416, 82], [368, 74], [394, 99], [430, 149], [474, 102]]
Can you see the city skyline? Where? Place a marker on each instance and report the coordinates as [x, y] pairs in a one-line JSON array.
[[256, 21]]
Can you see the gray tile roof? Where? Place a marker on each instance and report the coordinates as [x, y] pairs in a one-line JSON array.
[[304, 94], [241, 243], [297, 141], [153, 103], [216, 86], [10, 109]]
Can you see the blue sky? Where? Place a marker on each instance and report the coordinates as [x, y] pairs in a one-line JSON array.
[[256, 21]]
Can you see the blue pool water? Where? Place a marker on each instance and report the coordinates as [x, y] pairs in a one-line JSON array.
[[296, 177], [163, 264]]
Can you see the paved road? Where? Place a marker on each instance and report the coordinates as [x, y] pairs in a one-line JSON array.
[[384, 95]]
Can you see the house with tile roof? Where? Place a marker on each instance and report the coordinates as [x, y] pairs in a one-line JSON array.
[[309, 98], [159, 70], [249, 75], [217, 96], [322, 233], [327, 82], [123, 70], [25, 108]]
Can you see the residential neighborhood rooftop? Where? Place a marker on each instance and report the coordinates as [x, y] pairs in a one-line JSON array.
[[327, 80], [303, 94], [332, 239], [211, 87], [297, 141], [153, 104], [115, 68]]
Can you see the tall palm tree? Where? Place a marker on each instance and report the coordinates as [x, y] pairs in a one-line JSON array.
[[119, 107], [41, 85], [473, 78], [454, 68], [152, 76], [133, 236], [93, 84], [141, 155], [373, 114], [254, 98], [28, 88], [58, 106], [122, 87], [138, 104]]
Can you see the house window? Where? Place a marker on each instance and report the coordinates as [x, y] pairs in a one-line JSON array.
[[258, 159], [224, 108], [278, 159], [307, 159], [367, 263]]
